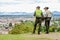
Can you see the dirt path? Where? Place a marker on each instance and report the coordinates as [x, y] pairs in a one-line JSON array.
[[54, 36]]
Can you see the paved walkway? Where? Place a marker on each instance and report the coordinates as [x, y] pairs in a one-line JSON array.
[[54, 36]]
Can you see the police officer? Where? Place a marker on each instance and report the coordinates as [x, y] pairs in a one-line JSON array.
[[48, 16], [38, 14]]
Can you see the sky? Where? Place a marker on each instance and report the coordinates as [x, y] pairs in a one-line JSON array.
[[28, 5]]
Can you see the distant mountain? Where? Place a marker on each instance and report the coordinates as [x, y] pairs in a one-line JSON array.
[[56, 13], [15, 13]]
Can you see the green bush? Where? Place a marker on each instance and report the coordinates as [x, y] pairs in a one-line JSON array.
[[52, 28], [43, 29], [58, 29], [27, 26], [24, 27]]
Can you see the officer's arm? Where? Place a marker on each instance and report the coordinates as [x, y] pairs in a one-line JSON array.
[[42, 14], [35, 13]]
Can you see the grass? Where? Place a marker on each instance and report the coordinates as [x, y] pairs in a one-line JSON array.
[[21, 37]]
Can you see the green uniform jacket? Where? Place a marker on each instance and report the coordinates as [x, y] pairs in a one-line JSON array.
[[38, 13]]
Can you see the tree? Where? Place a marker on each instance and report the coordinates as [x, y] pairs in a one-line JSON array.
[[10, 24]]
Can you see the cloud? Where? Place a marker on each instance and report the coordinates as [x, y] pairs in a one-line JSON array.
[[28, 1], [27, 5], [49, 1], [18, 8], [18, 1]]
